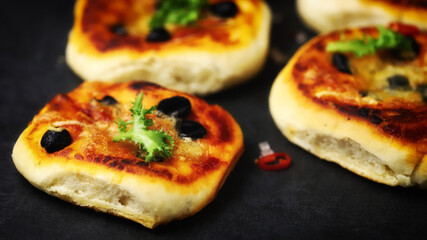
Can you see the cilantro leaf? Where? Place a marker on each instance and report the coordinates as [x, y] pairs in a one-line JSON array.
[[155, 143], [181, 12], [387, 39]]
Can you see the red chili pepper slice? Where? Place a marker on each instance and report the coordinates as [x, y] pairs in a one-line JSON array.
[[405, 29], [274, 162]]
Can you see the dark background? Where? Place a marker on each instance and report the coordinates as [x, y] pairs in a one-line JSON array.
[[313, 199]]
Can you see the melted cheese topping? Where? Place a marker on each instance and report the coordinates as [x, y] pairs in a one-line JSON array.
[[94, 19], [92, 127], [375, 71], [399, 113]]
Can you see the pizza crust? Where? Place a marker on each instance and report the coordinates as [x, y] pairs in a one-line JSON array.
[[348, 141], [198, 69], [147, 202], [329, 15], [148, 199]]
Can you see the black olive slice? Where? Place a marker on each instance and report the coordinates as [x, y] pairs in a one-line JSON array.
[[340, 62], [158, 35], [363, 93], [415, 46], [119, 29], [108, 100], [398, 82], [54, 140], [227, 9], [191, 129], [175, 106], [407, 54], [422, 89]]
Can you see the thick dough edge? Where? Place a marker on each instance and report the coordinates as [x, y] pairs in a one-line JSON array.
[[330, 15], [331, 136], [193, 71], [137, 198]]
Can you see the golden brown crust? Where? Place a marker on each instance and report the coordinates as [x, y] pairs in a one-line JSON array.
[[403, 5], [95, 18], [196, 168], [394, 117], [79, 106], [202, 58], [412, 11], [380, 136], [331, 15]]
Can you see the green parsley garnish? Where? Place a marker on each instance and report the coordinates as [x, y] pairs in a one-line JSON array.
[[181, 12], [387, 39], [157, 144]]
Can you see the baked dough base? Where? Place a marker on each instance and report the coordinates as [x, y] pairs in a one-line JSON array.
[[131, 192], [330, 15], [197, 71], [351, 143]]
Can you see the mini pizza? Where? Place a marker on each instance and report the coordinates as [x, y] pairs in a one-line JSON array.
[[329, 15], [358, 98], [195, 46], [151, 165]]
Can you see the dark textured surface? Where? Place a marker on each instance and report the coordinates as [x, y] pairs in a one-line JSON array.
[[313, 199]]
